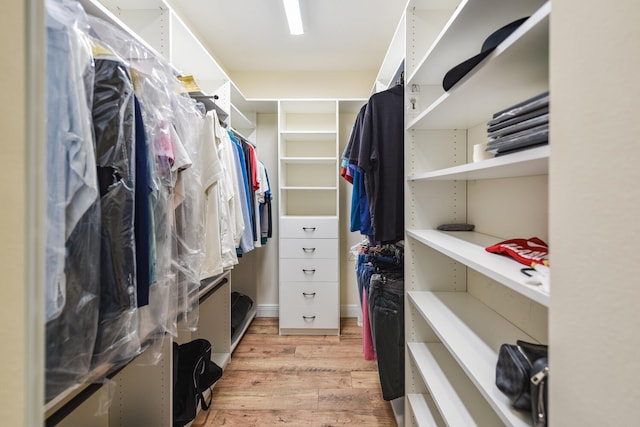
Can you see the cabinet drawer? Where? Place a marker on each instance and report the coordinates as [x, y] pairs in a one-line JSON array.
[[309, 248], [312, 270], [311, 227], [305, 305]]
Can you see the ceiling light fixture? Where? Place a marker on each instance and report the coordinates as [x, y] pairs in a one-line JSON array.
[[292, 9]]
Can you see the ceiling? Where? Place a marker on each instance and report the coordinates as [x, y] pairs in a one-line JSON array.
[[252, 35]]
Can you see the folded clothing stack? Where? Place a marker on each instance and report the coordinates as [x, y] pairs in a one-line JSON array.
[[520, 126]]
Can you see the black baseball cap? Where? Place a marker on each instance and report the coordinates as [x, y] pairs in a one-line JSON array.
[[459, 71]]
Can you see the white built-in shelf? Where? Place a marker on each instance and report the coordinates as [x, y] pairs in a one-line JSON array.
[[284, 188], [472, 333], [465, 25], [244, 326], [468, 248], [239, 120], [516, 70], [308, 135], [421, 412], [457, 400], [534, 161], [393, 58], [308, 160]]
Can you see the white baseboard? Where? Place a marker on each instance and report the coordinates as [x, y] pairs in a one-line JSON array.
[[351, 310], [272, 310], [268, 310]]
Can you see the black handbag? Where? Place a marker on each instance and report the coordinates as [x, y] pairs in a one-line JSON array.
[[514, 370], [194, 372], [539, 390]]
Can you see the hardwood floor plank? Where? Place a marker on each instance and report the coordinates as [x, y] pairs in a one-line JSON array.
[[324, 351], [285, 364], [362, 418], [250, 399], [261, 349], [350, 399], [293, 380], [257, 339], [365, 379]]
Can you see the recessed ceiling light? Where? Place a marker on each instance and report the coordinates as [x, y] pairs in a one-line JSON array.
[[292, 9]]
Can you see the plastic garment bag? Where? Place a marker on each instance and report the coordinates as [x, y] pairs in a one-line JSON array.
[[189, 211], [114, 129], [72, 244]]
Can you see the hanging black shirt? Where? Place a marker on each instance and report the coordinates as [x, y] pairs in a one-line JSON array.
[[381, 156]]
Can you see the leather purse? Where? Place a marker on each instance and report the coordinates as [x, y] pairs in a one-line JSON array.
[[539, 390], [514, 370]]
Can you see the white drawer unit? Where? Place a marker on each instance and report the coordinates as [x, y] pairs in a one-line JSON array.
[[309, 228], [309, 307], [309, 248]]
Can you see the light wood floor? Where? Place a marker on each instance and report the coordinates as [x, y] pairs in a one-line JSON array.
[[296, 381]]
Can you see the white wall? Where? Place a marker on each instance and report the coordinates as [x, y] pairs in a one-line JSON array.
[[315, 84], [595, 206], [267, 257]]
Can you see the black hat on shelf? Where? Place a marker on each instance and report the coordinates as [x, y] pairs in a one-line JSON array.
[[459, 71]]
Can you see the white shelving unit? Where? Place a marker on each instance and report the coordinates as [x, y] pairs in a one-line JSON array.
[[462, 301], [309, 240]]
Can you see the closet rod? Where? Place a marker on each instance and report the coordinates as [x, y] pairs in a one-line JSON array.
[[241, 136]]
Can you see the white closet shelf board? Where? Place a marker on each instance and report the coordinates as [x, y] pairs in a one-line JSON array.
[[534, 161], [239, 120], [310, 189], [468, 248], [245, 325], [505, 77], [310, 135], [98, 9], [394, 56], [466, 327], [304, 106], [304, 217], [463, 34], [421, 411], [192, 57], [134, 4], [459, 403], [309, 160]]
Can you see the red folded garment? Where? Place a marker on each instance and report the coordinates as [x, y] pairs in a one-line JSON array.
[[525, 251]]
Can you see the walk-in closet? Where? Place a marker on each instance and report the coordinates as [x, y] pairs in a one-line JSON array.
[[320, 213]]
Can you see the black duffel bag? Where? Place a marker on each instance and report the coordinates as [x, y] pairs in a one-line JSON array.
[[194, 372]]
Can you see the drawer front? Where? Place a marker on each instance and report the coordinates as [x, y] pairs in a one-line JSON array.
[[309, 248], [312, 270], [305, 305], [312, 227]]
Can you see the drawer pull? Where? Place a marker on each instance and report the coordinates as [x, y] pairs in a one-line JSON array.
[[309, 294], [305, 271], [309, 250], [309, 228], [308, 318]]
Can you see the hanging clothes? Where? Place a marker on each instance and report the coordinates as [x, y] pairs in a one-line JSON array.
[[72, 237], [380, 277], [113, 115], [213, 173], [381, 157]]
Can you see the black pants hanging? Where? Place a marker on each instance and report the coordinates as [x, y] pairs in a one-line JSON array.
[[386, 311]]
